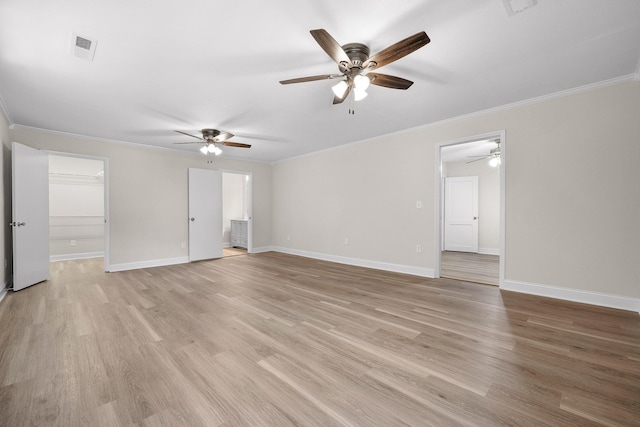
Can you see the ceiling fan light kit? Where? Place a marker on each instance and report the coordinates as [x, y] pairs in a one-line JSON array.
[[356, 66], [212, 138]]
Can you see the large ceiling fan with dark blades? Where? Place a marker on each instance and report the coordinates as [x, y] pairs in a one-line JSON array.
[[212, 138], [357, 67]]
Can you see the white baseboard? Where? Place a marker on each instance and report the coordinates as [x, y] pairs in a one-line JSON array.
[[489, 251], [575, 295], [397, 268], [261, 250], [67, 257], [147, 264]]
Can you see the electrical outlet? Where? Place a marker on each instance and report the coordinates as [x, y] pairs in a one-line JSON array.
[[73, 243], [346, 240], [418, 249], [288, 237], [419, 204]]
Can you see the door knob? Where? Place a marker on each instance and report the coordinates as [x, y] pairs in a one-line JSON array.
[[475, 217], [193, 219]]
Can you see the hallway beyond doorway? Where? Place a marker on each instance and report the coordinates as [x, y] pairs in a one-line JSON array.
[[471, 267]]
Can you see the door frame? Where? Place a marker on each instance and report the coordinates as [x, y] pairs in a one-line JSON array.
[[249, 204], [439, 223], [105, 162]]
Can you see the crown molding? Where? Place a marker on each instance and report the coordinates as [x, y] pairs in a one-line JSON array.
[[567, 92], [119, 142], [5, 112]]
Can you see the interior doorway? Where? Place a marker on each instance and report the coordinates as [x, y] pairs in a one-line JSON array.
[[481, 157], [237, 224], [78, 207]]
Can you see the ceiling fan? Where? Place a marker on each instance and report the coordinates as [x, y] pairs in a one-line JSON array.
[[493, 156], [211, 138], [356, 66]]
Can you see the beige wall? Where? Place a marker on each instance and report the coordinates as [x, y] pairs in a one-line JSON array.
[[488, 200], [572, 193], [148, 194]]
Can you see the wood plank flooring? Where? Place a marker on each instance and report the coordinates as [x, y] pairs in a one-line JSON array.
[[277, 340], [470, 267]]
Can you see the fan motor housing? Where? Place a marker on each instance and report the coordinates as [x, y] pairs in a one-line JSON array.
[[357, 52]]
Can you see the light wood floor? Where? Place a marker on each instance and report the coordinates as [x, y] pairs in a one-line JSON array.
[[278, 340], [470, 267], [230, 251]]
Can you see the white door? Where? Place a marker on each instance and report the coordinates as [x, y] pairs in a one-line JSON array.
[[461, 214], [205, 214], [30, 215]]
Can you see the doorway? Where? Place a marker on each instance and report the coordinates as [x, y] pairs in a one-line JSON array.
[[236, 213], [76, 208], [457, 161]]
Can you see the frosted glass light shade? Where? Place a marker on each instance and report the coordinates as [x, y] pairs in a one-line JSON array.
[[340, 89], [204, 149], [361, 82], [359, 94]]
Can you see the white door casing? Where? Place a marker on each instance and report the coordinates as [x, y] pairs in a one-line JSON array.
[[30, 215], [461, 214], [205, 214]]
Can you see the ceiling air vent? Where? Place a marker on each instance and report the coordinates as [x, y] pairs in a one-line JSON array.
[[517, 6], [83, 47]]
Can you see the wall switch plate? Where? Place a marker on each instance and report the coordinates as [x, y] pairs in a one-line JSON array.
[[419, 249], [183, 245], [419, 204], [346, 240], [73, 243]]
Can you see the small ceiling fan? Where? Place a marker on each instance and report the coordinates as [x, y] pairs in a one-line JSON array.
[[493, 156], [211, 138], [356, 66]]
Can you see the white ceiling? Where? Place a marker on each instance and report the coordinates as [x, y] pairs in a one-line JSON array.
[[185, 65]]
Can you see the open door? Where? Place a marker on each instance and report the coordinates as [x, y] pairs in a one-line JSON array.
[[461, 214], [30, 215], [205, 214]]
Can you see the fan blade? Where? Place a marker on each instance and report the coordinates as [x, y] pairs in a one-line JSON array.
[[194, 142], [337, 100], [188, 134], [477, 160], [397, 50], [392, 82], [223, 136], [331, 46], [311, 78], [236, 144]]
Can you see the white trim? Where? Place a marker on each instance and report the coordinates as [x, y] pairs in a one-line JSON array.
[[489, 251], [148, 264], [562, 93], [262, 249], [137, 145], [4, 292], [397, 268], [67, 257], [575, 295], [3, 109], [501, 134]]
